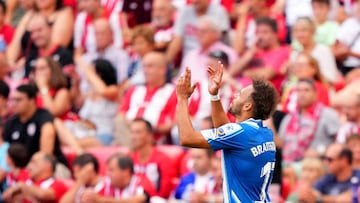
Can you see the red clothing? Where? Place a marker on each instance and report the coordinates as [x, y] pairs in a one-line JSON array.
[[57, 186], [7, 32], [137, 186], [23, 176], [157, 170], [155, 105]]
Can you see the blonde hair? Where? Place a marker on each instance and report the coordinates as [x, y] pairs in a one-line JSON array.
[[316, 163], [308, 22]]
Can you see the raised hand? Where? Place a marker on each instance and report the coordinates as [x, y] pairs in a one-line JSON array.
[[215, 78], [183, 86]]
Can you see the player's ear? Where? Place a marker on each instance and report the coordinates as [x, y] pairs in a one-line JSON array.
[[248, 106]]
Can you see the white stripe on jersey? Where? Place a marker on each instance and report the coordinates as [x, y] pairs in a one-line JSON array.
[[136, 101], [235, 197], [225, 180]]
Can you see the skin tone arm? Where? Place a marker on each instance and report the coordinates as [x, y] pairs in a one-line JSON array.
[[110, 92], [261, 72], [62, 29], [239, 41], [10, 9], [218, 114], [91, 197], [58, 105], [188, 136], [309, 194], [240, 65], [37, 193], [174, 48], [47, 138]]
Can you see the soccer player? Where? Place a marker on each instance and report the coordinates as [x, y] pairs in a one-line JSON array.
[[248, 148]]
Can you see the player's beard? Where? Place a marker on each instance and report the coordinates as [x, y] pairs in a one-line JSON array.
[[235, 110]]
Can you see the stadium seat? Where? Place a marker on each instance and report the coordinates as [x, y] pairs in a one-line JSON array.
[[175, 153], [103, 153]]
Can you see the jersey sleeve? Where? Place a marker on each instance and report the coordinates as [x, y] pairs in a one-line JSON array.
[[228, 136], [59, 189]]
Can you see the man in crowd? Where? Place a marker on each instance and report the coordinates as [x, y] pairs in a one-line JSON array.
[[43, 187]]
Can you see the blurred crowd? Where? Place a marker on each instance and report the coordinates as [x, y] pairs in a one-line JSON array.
[[88, 101]]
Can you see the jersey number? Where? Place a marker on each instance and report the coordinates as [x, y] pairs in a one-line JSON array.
[[266, 172]]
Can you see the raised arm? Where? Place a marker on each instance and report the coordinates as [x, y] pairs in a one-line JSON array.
[[188, 136], [218, 114]]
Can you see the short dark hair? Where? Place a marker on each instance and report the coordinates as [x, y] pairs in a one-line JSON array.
[[327, 2], [86, 158], [264, 98], [308, 81], [4, 89], [3, 6], [19, 155], [106, 71], [52, 160], [123, 162], [148, 125], [221, 56], [346, 153], [354, 136], [269, 22], [28, 89]]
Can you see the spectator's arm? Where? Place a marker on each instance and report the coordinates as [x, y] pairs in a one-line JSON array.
[[70, 195], [239, 40], [240, 65], [262, 72], [10, 9], [14, 49], [278, 6], [58, 105], [47, 138], [99, 86], [353, 54], [174, 48], [135, 199], [62, 30], [38, 193]]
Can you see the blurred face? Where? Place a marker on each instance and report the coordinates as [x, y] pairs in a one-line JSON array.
[[332, 161], [115, 173], [152, 70], [40, 32], [37, 165], [201, 161], [302, 32], [76, 171], [42, 69], [357, 10], [103, 35], [139, 135], [90, 6], [45, 4], [310, 174], [255, 6], [320, 10], [240, 99], [306, 94], [352, 110], [27, 4], [161, 13], [266, 36], [206, 35], [303, 69], [200, 5], [216, 170], [141, 46], [354, 146], [20, 103]]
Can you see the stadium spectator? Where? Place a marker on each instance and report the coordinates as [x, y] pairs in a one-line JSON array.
[[347, 47], [335, 185], [162, 16], [4, 107], [185, 28], [311, 126], [40, 34], [266, 58], [142, 42], [125, 185], [248, 13], [60, 19], [150, 163], [15, 10], [86, 173], [33, 127], [99, 106], [17, 159], [154, 101], [326, 29], [312, 169], [208, 35], [137, 12], [105, 49], [353, 143], [304, 67], [6, 30], [303, 32], [43, 185], [200, 181], [84, 32]]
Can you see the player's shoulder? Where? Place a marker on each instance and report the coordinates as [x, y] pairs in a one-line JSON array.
[[229, 128]]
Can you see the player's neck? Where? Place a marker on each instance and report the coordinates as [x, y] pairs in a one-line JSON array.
[[243, 117]]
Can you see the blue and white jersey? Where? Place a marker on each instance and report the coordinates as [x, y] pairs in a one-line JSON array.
[[248, 159]]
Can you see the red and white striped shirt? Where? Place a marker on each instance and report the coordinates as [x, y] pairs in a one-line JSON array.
[[136, 187], [57, 186], [112, 5]]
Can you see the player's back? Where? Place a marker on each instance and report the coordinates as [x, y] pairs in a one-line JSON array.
[[249, 164]]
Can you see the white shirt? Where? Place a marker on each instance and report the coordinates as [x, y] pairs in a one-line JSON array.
[[347, 33]]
